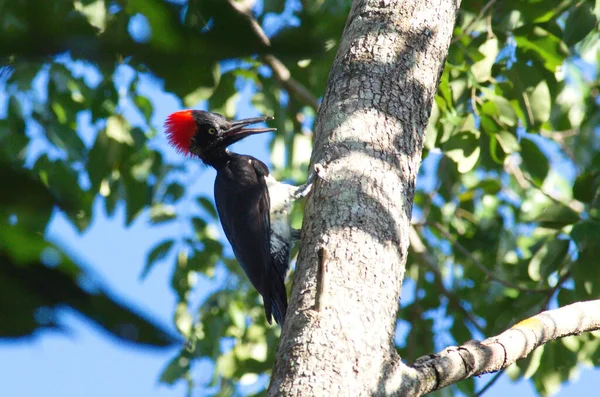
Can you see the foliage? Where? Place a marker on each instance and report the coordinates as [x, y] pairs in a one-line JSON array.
[[507, 207], [36, 278]]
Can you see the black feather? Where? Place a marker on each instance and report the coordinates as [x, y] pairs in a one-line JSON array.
[[242, 199]]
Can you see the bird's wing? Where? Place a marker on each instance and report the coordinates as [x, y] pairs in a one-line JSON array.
[[246, 221]]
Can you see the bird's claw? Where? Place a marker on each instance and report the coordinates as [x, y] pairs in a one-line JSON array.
[[304, 190], [318, 172]]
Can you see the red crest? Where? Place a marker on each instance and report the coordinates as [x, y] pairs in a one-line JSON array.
[[180, 128]]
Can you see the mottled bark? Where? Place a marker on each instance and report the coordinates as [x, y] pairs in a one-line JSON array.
[[368, 137]]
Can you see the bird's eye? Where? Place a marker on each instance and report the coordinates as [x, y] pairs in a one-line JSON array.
[[212, 131]]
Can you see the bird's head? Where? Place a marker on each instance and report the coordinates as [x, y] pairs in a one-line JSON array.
[[207, 134]]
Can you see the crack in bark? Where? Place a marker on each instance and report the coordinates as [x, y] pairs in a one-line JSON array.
[[505, 358], [469, 360]]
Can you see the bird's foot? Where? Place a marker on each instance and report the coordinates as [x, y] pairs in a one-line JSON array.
[[319, 172], [304, 190]]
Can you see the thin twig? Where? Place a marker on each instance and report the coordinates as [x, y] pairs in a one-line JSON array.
[[473, 21], [474, 101], [519, 175], [559, 137], [528, 108], [484, 269], [280, 71], [511, 169], [490, 383]]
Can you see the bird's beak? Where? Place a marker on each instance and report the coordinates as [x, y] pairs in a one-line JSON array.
[[237, 130]]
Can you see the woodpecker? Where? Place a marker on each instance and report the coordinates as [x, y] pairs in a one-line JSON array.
[[253, 207]]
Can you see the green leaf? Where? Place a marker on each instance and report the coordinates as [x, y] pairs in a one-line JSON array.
[[227, 364], [158, 253], [164, 32], [444, 89], [182, 279], [580, 22], [489, 186], [238, 315], [177, 368], [208, 206], [31, 201], [183, 319], [555, 367], [204, 261], [548, 259], [539, 11], [534, 361], [112, 198], [503, 143], [160, 213], [535, 161], [173, 193], [104, 102], [13, 145], [224, 99], [551, 50], [95, 12], [265, 104], [505, 113], [66, 139], [467, 386], [508, 142], [557, 216], [586, 186], [539, 102], [145, 106], [63, 182], [482, 70], [199, 225], [118, 129], [463, 148], [528, 83], [586, 235], [448, 176], [101, 158], [137, 195]]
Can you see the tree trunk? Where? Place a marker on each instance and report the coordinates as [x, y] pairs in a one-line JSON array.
[[368, 137]]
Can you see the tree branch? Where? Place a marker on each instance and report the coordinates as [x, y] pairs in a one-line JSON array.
[[475, 358], [526, 182], [280, 71]]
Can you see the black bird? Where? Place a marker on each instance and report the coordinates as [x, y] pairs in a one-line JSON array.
[[252, 205]]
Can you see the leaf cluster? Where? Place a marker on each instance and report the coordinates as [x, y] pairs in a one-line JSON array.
[[507, 207]]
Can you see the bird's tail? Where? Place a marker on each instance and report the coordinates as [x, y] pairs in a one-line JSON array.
[[276, 300], [279, 302]]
